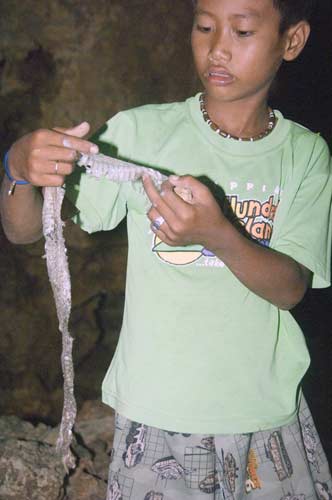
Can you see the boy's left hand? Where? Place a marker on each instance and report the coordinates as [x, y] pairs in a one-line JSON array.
[[274, 276], [198, 221]]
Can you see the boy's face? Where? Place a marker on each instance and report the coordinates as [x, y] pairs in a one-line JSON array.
[[237, 47]]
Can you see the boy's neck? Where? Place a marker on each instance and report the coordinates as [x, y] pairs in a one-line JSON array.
[[239, 119]]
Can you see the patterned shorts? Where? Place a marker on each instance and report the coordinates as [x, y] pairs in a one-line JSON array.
[[286, 463]]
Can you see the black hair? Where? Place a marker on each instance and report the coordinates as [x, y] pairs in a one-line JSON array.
[[294, 11], [291, 11]]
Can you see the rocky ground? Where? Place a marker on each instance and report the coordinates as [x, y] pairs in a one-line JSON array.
[[30, 469]]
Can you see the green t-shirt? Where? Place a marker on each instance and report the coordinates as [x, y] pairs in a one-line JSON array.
[[198, 352]]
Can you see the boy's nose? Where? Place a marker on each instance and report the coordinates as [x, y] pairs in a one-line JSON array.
[[220, 50]]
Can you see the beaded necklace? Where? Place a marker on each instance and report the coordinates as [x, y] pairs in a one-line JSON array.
[[226, 135]]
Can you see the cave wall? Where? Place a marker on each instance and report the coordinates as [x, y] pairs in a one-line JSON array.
[[62, 62], [65, 61]]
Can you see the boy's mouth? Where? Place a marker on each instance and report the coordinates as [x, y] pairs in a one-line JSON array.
[[219, 76]]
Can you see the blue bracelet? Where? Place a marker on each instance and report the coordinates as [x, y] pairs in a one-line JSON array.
[[14, 182]]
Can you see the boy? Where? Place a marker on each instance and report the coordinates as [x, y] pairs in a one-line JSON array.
[[208, 350]]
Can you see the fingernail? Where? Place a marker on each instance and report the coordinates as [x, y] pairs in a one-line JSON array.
[[66, 143], [174, 177], [94, 149]]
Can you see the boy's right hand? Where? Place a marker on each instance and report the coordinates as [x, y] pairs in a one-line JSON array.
[[45, 157]]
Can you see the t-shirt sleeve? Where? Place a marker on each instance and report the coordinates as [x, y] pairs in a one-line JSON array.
[[101, 204], [304, 225]]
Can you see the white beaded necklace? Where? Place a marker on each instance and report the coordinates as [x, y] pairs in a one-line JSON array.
[[226, 135]]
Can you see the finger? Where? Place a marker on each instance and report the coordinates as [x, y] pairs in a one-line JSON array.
[[183, 180], [157, 201], [162, 233], [153, 215], [160, 226], [50, 181], [57, 137], [157, 220], [42, 169], [185, 193], [181, 188], [55, 153], [172, 197], [188, 185], [80, 130], [59, 168], [158, 223]]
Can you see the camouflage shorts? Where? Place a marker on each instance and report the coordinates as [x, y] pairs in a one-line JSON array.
[[286, 463]]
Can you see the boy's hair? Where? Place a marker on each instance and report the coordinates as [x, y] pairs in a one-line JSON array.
[[291, 11]]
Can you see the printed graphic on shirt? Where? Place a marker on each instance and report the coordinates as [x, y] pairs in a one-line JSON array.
[[179, 256], [256, 217]]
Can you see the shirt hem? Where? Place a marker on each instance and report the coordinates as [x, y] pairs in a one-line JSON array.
[[230, 425]]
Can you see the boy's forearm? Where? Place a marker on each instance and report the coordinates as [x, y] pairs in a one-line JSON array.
[[21, 213], [273, 276]]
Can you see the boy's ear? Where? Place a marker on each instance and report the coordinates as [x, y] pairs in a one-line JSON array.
[[296, 38]]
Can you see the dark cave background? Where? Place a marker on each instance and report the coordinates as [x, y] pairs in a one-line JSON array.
[[64, 61]]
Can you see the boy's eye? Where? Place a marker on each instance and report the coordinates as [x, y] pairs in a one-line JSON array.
[[244, 34], [203, 29]]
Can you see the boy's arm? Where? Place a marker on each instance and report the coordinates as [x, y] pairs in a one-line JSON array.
[[273, 276], [43, 158], [21, 215]]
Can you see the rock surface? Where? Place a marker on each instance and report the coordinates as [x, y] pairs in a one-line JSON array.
[[31, 470], [28, 471], [64, 61]]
